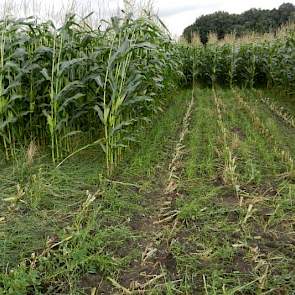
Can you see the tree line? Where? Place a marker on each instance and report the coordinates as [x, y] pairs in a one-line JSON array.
[[253, 20]]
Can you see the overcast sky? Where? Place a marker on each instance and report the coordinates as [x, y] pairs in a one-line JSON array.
[[176, 14]]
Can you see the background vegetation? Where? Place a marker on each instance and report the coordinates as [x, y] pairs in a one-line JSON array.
[[254, 20], [252, 61], [134, 164]]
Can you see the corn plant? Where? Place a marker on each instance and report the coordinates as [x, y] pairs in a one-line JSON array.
[[249, 62], [75, 85]]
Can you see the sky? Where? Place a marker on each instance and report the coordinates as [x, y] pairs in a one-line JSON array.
[[176, 14]]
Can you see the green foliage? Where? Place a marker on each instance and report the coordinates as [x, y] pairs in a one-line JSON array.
[[253, 20], [249, 63], [96, 234], [83, 246], [58, 86], [20, 281]]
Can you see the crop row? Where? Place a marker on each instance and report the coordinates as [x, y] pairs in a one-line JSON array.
[[76, 85], [279, 111], [268, 63], [281, 152]]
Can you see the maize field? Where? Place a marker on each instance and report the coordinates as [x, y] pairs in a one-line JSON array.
[[74, 86], [132, 163], [57, 85], [254, 61]]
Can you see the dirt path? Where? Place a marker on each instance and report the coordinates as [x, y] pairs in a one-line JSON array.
[[157, 263]]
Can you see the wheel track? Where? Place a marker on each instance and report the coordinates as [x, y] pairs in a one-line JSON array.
[[156, 261]]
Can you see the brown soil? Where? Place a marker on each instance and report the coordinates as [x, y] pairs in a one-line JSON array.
[[239, 132]]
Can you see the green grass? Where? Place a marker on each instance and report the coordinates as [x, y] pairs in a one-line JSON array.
[[50, 208], [73, 231], [223, 248], [90, 235]]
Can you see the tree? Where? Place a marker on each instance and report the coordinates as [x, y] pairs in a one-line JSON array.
[[253, 20]]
